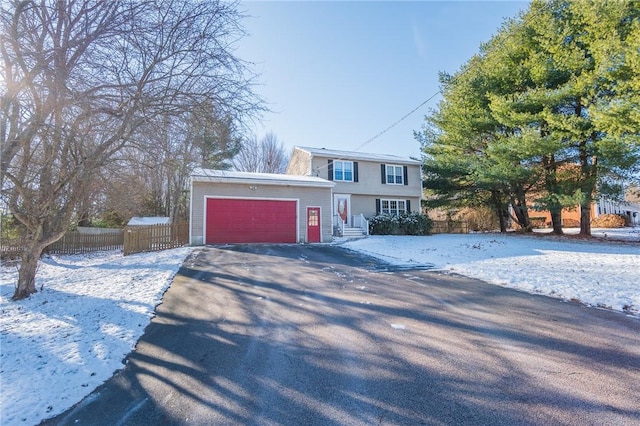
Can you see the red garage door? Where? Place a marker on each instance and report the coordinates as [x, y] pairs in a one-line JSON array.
[[251, 221]]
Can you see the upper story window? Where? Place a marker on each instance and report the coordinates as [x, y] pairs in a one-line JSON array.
[[343, 170], [395, 175]]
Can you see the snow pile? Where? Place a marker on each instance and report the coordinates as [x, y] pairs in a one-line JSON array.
[[63, 342], [604, 274]]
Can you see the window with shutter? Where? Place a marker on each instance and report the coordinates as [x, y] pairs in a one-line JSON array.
[[392, 207], [394, 175], [343, 171]]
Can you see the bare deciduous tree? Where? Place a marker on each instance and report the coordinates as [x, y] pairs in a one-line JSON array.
[[248, 159], [82, 78], [264, 156]]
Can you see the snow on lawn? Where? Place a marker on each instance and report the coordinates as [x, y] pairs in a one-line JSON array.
[[596, 273], [71, 336]]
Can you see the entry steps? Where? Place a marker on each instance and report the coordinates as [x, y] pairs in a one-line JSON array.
[[350, 232]]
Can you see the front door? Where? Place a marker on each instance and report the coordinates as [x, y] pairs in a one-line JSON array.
[[313, 224], [342, 207]]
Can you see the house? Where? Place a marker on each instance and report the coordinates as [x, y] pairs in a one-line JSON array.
[[628, 209], [323, 191], [599, 207], [365, 184], [241, 207]]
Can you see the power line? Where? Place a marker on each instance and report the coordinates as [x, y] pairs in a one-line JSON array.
[[462, 72], [397, 122]]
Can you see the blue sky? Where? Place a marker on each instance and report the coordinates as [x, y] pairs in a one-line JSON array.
[[335, 74]]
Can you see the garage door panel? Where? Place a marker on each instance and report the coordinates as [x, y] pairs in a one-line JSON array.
[[251, 221]]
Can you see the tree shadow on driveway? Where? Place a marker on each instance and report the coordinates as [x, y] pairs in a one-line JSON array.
[[279, 335]]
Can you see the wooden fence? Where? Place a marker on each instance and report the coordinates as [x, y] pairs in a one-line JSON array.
[[70, 243], [139, 239], [76, 243], [449, 227], [134, 239], [11, 248]]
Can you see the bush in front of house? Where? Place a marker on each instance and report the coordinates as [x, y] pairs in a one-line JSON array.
[[404, 224], [415, 224], [384, 224]]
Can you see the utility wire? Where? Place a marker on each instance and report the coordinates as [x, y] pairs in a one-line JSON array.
[[453, 79], [367, 142]]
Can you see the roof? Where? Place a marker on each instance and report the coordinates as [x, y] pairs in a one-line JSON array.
[[229, 176], [354, 155], [144, 221]]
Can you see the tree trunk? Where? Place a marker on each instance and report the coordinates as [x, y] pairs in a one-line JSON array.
[[552, 187], [503, 221], [556, 221], [519, 204], [501, 209], [27, 272], [587, 188], [585, 215]]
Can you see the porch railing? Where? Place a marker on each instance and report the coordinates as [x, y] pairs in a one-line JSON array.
[[359, 221], [338, 225]]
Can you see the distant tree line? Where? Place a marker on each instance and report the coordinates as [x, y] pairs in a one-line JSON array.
[[546, 114]]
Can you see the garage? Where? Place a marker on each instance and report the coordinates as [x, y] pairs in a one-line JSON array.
[[251, 221], [230, 207]]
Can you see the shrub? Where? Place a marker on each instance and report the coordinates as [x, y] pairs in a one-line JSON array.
[[415, 224], [538, 222], [478, 218], [384, 224], [609, 221], [404, 224], [571, 223]]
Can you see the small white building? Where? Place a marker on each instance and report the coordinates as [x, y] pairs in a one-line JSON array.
[[147, 220]]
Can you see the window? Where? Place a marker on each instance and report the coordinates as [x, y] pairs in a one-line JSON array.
[[343, 170], [313, 218], [395, 175], [393, 207]]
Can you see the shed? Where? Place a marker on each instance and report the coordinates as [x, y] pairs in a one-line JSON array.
[[243, 207], [147, 220]]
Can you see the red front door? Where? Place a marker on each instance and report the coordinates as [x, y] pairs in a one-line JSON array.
[[313, 224]]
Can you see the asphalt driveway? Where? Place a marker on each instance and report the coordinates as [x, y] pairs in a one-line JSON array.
[[317, 335]]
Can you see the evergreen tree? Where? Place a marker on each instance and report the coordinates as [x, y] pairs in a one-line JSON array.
[[548, 108]]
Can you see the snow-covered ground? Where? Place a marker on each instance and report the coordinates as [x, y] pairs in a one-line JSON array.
[[67, 339], [602, 272], [64, 341]]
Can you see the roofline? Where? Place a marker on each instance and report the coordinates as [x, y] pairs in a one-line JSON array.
[[262, 181], [351, 155]]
